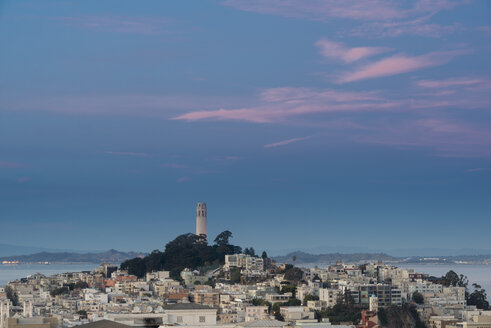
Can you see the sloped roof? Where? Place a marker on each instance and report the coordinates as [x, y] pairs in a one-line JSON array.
[[104, 324], [187, 306], [264, 323]]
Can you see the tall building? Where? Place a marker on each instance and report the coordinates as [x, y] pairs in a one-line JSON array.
[[201, 219]]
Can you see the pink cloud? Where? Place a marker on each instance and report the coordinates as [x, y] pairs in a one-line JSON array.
[[337, 50], [399, 64], [418, 26], [446, 137], [126, 153], [455, 82], [320, 10], [292, 95], [281, 103], [286, 142], [10, 164]]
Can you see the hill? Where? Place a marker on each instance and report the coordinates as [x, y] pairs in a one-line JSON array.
[[302, 258], [111, 256]]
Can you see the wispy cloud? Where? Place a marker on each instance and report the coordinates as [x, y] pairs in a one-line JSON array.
[[337, 50], [280, 103], [286, 142], [448, 138], [419, 26], [454, 82], [399, 64], [10, 164], [320, 10], [126, 153], [120, 24]]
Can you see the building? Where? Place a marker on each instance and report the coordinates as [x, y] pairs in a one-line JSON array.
[[387, 295], [244, 261], [190, 314], [253, 313], [294, 313], [4, 311], [201, 220], [329, 295]]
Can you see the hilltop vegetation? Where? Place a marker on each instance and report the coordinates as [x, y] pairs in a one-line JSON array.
[[186, 251]]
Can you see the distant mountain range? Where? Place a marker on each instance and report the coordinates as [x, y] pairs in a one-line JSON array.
[[302, 258], [111, 256], [397, 252], [306, 258]]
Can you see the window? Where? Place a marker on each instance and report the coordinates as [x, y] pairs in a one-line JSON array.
[[202, 318], [179, 318]]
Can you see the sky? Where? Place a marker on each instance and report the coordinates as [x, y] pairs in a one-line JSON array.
[[302, 124]]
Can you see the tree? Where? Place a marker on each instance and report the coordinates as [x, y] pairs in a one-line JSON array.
[[310, 297], [235, 275], [135, 267], [294, 274], [80, 285], [276, 311], [12, 295], [288, 289], [264, 255], [60, 291], [451, 278], [223, 238], [478, 298], [82, 313], [250, 251], [418, 298]]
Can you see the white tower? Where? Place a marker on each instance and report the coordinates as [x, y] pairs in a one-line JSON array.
[[201, 219], [4, 311], [373, 303], [27, 308]]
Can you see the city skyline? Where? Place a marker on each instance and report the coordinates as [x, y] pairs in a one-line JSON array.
[[364, 126]]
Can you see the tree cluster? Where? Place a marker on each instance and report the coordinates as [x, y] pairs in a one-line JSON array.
[[345, 310], [478, 297], [186, 251]]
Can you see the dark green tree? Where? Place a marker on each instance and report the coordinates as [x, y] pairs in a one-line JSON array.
[[478, 298], [264, 255], [294, 274], [235, 275], [418, 298], [135, 267], [310, 297], [12, 295], [223, 238], [80, 285]]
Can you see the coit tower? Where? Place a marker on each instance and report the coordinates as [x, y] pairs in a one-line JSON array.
[[201, 219]]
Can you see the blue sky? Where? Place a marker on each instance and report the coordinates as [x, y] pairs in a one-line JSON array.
[[301, 124]]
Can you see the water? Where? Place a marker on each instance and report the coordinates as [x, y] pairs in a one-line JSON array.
[[479, 274], [13, 272]]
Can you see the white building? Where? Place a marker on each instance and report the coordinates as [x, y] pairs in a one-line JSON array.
[[190, 314]]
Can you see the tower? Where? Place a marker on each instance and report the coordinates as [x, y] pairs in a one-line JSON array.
[[373, 303], [201, 219]]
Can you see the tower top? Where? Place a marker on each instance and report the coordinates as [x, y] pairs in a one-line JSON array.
[[201, 218]]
